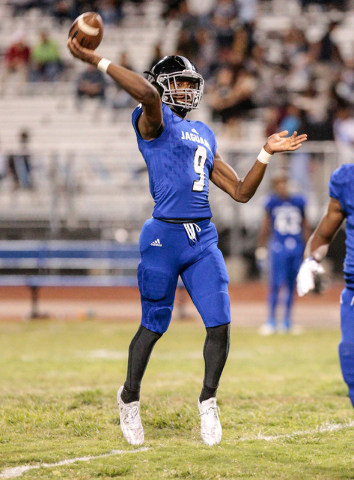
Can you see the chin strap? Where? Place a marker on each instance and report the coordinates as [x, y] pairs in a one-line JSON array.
[[179, 110]]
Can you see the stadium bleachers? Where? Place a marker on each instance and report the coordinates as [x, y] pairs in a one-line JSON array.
[[85, 161]]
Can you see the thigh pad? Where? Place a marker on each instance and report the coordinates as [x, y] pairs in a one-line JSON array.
[[155, 284]]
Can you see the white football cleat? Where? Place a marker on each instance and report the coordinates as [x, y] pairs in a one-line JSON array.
[[211, 430], [130, 422], [266, 329]]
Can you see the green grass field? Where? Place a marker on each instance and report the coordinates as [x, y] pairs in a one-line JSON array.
[[284, 407]]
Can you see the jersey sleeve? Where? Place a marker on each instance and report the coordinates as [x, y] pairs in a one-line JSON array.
[[337, 185], [135, 117]]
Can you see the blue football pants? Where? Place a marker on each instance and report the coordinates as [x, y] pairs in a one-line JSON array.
[[346, 346], [283, 271], [167, 252]]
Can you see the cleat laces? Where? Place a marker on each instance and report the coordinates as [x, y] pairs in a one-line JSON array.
[[132, 418], [211, 416]]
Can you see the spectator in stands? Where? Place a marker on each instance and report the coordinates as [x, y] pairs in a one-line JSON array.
[[292, 120], [325, 56], [171, 9], [243, 43], [318, 110], [345, 86], [121, 99], [157, 55], [187, 45], [19, 7], [19, 163], [206, 51], [265, 94], [46, 59], [231, 98], [344, 132], [61, 11], [91, 84], [326, 4], [16, 58], [299, 165], [223, 25], [111, 11], [82, 6]]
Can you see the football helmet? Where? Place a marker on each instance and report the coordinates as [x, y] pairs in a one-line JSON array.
[[165, 75]]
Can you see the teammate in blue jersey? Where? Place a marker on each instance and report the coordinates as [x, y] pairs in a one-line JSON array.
[[341, 206], [285, 228], [179, 239]]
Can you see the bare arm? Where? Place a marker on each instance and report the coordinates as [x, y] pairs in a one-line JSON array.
[[242, 90], [306, 230], [151, 121], [318, 243], [242, 190]]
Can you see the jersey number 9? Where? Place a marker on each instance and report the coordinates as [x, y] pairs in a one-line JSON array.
[[199, 160]]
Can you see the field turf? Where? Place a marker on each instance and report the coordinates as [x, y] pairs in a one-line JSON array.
[[284, 407]]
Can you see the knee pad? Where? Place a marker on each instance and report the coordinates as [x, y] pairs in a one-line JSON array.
[[155, 284], [157, 319], [346, 357], [157, 289]]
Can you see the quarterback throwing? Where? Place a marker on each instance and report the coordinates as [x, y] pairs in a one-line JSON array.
[[180, 239]]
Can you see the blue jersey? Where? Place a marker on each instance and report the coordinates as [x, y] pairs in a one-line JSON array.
[[179, 163], [341, 187], [287, 216]]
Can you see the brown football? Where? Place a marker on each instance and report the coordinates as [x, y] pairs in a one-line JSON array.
[[88, 30]]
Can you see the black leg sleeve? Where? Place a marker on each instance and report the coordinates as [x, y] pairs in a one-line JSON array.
[[139, 354], [216, 350]]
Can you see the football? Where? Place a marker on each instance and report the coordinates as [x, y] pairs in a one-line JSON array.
[[88, 30]]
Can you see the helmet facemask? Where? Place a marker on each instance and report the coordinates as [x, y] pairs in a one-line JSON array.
[[182, 100]]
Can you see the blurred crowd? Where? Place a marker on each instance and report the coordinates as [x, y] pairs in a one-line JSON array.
[[283, 76], [294, 83], [111, 11]]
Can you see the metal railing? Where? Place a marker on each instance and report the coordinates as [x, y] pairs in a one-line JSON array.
[[111, 187]]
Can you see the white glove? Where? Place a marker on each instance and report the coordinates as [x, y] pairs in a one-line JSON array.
[[305, 279]]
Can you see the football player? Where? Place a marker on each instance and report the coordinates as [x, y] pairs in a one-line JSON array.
[[286, 228], [179, 239], [341, 206]]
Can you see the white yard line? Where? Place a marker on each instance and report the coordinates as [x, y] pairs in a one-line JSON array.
[[327, 427], [18, 471]]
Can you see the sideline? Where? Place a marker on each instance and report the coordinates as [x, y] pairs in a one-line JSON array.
[[18, 471]]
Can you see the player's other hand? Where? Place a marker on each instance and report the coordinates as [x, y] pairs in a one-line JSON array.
[[306, 278], [82, 53], [279, 142]]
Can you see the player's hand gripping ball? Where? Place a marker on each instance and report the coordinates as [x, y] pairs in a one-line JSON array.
[[88, 30]]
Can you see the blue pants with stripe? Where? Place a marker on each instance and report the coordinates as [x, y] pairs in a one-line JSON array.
[[167, 252]]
